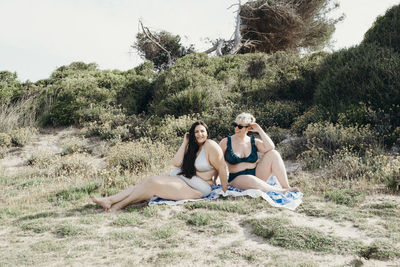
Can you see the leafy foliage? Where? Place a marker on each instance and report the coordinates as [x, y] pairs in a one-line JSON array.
[[275, 25], [386, 31], [171, 50]]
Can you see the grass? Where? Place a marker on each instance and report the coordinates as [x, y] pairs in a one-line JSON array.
[[348, 197], [47, 218], [280, 232], [128, 219]]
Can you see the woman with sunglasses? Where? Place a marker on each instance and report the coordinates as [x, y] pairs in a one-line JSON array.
[[199, 160], [240, 151]]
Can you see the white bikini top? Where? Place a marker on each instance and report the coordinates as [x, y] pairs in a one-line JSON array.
[[201, 163]]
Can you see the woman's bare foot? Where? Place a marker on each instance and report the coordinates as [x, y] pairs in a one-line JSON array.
[[114, 208], [102, 201]]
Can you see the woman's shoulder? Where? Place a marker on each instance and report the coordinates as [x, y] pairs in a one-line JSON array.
[[211, 145], [224, 140]]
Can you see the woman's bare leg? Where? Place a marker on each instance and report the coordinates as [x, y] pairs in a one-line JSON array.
[[168, 187], [245, 182], [107, 202], [272, 163]]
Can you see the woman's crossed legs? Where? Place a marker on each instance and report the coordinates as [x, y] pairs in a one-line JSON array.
[[164, 186]]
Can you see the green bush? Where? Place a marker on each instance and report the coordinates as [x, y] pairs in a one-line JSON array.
[[219, 119], [280, 76], [172, 129], [386, 31], [363, 114], [373, 167], [278, 113], [107, 123], [312, 115], [9, 86], [367, 74], [330, 137], [324, 139]]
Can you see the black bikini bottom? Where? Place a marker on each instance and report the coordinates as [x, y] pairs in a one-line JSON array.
[[232, 176]]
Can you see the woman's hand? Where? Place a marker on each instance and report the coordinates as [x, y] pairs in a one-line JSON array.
[[186, 138], [255, 127]]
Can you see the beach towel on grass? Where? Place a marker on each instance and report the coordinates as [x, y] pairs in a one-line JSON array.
[[289, 200]]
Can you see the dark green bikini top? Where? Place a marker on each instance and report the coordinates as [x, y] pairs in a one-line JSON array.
[[232, 158]]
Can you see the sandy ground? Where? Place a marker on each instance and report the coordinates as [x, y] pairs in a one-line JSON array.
[[51, 140]]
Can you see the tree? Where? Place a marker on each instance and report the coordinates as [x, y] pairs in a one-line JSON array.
[[286, 25], [162, 48]]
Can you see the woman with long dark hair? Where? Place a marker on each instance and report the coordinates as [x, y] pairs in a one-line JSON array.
[[199, 161]]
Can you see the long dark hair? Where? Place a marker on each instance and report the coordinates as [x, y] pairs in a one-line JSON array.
[[188, 169]]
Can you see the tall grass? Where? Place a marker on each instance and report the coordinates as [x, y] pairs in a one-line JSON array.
[[18, 114]]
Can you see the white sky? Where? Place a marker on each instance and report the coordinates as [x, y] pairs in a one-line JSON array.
[[38, 36]]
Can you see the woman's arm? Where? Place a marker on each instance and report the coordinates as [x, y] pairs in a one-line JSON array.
[[265, 144], [216, 159], [178, 158]]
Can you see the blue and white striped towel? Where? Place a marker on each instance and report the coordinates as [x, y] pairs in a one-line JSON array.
[[289, 200]]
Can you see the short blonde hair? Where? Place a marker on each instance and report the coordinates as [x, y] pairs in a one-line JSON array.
[[246, 118]]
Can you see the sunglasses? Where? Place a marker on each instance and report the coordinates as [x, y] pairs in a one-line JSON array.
[[234, 124]]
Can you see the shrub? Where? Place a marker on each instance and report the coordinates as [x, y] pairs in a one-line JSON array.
[[139, 156], [363, 114], [72, 145], [136, 95], [172, 129], [385, 31], [5, 140], [3, 152], [108, 123], [312, 115], [366, 73], [280, 76], [219, 119], [74, 164], [330, 137], [392, 177], [278, 113], [23, 136], [373, 167], [9, 87]]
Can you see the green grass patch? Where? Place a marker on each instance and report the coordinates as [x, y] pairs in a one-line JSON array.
[[47, 214], [199, 219], [383, 209], [348, 197], [166, 257], [280, 232], [164, 232], [38, 226], [220, 205], [69, 229], [380, 251], [46, 246], [128, 219], [73, 194]]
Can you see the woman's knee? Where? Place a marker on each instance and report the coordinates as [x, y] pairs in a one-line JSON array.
[[151, 181], [273, 154]]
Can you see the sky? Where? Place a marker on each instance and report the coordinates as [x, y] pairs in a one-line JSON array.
[[36, 37]]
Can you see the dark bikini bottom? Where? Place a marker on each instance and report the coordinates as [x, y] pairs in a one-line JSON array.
[[232, 176]]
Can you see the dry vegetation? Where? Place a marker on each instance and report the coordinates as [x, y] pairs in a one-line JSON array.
[[46, 217]]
